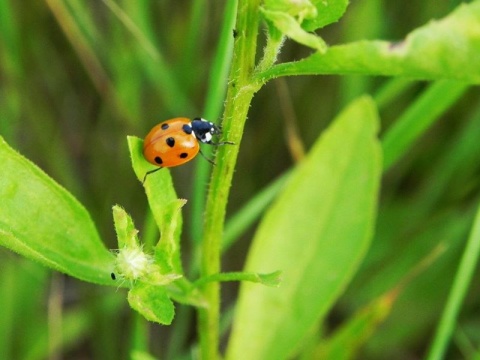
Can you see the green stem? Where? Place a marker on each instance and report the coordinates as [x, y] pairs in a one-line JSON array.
[[241, 89], [215, 98]]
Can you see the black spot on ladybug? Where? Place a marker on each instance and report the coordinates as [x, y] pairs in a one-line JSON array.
[[187, 129], [165, 126], [158, 160], [183, 155], [112, 275], [170, 142]]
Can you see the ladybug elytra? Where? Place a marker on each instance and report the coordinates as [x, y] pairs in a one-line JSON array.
[[176, 141]]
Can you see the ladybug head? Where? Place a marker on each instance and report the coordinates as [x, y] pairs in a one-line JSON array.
[[204, 130]]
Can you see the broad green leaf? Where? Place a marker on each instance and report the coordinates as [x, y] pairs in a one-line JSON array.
[[164, 205], [443, 49], [152, 302], [42, 221], [316, 233]]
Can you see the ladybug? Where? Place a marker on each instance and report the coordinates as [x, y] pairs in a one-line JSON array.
[[177, 141]]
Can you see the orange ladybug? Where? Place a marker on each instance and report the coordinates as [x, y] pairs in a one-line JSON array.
[[177, 141]]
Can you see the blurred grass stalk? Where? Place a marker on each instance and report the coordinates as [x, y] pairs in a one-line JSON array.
[[457, 294], [426, 109], [84, 50]]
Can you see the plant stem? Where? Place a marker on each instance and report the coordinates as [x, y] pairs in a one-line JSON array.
[[215, 98], [241, 89]]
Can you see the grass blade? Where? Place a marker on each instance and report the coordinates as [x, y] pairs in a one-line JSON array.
[[460, 285]]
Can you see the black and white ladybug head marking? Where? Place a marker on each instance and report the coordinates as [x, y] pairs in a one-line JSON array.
[[204, 130]]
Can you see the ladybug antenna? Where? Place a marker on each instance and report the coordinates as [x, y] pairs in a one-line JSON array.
[[148, 173]]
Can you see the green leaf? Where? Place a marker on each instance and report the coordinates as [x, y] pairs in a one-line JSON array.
[[316, 233], [167, 251], [42, 221], [296, 19], [124, 228], [328, 11], [288, 25], [165, 206], [152, 302], [442, 49]]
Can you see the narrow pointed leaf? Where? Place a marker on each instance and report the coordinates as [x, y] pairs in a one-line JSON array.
[[164, 204]]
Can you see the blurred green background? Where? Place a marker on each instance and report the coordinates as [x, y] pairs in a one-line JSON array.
[[77, 76]]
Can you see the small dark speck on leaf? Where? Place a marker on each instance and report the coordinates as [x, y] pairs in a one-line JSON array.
[[396, 45]]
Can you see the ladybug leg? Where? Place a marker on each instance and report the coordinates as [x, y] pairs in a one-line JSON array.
[[150, 172], [215, 144], [206, 158], [221, 143]]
